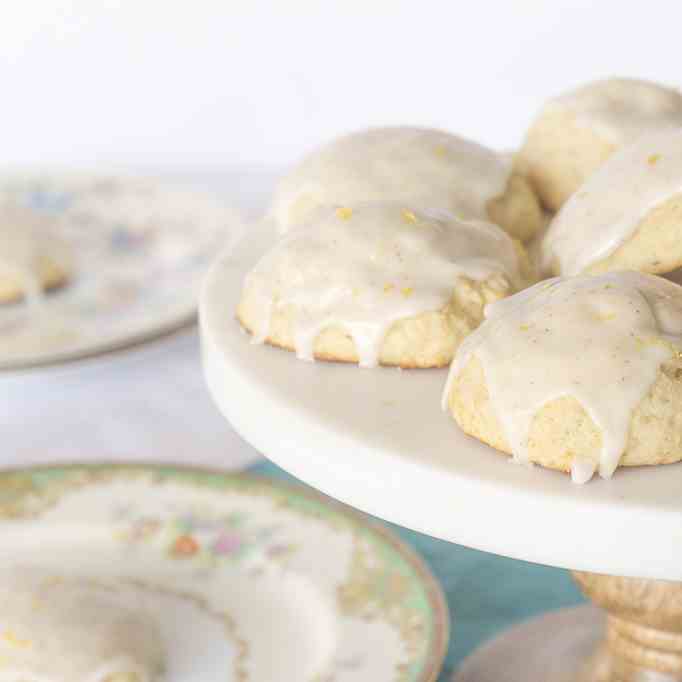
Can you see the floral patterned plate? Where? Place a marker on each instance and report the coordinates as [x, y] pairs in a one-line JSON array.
[[252, 580], [139, 250]]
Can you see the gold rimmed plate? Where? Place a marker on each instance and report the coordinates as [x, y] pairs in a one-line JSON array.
[[250, 579]]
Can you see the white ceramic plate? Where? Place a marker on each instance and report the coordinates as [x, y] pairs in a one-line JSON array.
[[139, 251], [377, 440], [252, 580]]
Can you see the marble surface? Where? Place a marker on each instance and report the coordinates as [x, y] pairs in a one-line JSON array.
[[148, 404]]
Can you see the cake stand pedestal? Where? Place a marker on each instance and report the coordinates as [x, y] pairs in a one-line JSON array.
[[639, 639], [375, 439]]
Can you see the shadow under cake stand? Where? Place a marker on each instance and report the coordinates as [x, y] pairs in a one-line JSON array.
[[376, 440]]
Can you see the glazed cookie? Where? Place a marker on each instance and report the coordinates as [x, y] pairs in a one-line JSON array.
[[423, 168], [577, 132], [627, 216], [579, 374], [30, 261], [74, 630], [380, 283]]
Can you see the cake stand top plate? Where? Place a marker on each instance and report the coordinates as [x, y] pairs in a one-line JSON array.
[[377, 440]]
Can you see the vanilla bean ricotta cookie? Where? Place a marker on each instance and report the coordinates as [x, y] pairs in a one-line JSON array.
[[579, 374], [422, 168], [627, 216], [30, 260], [577, 132], [380, 283], [57, 629]]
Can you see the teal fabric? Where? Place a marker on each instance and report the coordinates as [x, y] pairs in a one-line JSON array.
[[485, 593]]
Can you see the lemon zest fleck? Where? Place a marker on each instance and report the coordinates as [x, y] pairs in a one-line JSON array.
[[409, 216], [12, 639], [344, 212]]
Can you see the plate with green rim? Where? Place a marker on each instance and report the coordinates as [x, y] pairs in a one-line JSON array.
[[249, 579]]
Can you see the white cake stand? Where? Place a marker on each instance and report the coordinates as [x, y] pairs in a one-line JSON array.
[[377, 440]]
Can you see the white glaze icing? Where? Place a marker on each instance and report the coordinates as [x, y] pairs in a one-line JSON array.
[[364, 268], [607, 209], [622, 109], [600, 339], [20, 248], [54, 629], [427, 169]]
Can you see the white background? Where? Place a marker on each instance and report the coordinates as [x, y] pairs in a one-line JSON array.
[[204, 83], [201, 86]]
